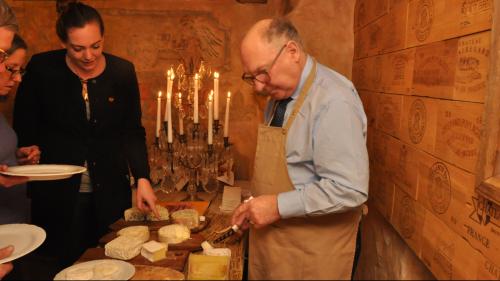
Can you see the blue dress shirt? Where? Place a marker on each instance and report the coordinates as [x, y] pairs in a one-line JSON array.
[[326, 148]]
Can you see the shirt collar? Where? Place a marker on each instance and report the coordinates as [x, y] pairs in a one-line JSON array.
[[303, 77]]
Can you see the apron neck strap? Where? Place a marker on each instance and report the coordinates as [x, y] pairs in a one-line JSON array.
[[301, 98]]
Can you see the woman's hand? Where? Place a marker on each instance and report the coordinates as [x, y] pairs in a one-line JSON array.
[[146, 198], [6, 267], [8, 181], [28, 155]]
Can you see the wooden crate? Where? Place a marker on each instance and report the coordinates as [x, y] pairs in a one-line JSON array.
[[367, 74], [360, 74], [446, 254], [403, 162], [394, 23], [369, 100], [434, 73], [458, 133], [471, 74], [381, 191], [370, 39], [408, 219], [419, 121], [436, 20], [389, 114], [397, 71], [366, 11], [379, 152]]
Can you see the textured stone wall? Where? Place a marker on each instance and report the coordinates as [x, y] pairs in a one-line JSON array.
[[155, 34]]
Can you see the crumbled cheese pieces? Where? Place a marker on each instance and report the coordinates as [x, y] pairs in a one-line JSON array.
[[174, 233], [187, 217], [141, 232], [154, 251], [123, 247]]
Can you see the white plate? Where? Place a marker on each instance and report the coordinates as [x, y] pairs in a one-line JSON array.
[[24, 237], [44, 172], [124, 270]]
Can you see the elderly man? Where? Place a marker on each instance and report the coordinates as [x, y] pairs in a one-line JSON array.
[[311, 163]]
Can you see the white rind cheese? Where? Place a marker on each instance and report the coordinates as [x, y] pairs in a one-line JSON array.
[[187, 217], [141, 232], [134, 214], [80, 274], [154, 251], [174, 234], [105, 271], [123, 248], [162, 211]]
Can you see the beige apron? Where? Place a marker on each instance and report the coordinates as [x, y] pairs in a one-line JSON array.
[[320, 247]]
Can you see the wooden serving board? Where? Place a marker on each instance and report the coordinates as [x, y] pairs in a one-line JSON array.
[[192, 244], [176, 259]]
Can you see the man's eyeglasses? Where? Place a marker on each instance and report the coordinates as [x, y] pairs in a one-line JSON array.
[[13, 72], [3, 56], [262, 76]]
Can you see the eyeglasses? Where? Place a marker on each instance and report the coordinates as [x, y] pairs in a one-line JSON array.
[[3, 56], [13, 72], [262, 76]]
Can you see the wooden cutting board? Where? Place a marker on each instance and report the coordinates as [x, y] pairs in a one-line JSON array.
[[143, 272], [192, 244], [175, 259]]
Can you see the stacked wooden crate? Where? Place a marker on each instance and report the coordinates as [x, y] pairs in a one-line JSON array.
[[421, 69]]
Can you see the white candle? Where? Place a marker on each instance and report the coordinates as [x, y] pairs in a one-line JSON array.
[[226, 116], [216, 96], [158, 115], [181, 122], [210, 114], [169, 108], [169, 86], [195, 110]]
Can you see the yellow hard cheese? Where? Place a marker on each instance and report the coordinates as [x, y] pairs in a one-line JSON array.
[[201, 267], [154, 251]]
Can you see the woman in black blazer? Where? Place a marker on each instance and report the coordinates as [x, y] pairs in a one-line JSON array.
[[82, 107]]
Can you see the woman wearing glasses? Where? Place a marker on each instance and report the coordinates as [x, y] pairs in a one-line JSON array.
[[82, 107]]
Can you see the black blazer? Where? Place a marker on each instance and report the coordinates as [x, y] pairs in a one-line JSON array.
[[49, 111]]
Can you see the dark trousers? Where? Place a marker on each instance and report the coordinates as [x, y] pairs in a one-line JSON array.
[[357, 252], [68, 236]]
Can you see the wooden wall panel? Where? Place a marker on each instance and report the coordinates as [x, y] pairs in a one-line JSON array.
[[419, 122], [381, 192], [408, 219], [397, 71], [389, 114], [403, 161], [367, 11], [458, 133], [394, 23], [369, 39], [436, 20]]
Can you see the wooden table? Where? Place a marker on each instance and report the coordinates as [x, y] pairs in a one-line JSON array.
[[218, 221]]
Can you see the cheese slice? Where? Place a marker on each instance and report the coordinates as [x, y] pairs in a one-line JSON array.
[[162, 212], [174, 234], [123, 247], [134, 214], [187, 217], [154, 251], [140, 231]]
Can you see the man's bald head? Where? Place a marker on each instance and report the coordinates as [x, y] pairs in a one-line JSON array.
[[274, 32]]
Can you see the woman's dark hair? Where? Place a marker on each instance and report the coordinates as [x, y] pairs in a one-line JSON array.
[[17, 43], [76, 14]]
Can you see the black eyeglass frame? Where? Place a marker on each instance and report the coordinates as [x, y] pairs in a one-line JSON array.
[[21, 71], [264, 74]]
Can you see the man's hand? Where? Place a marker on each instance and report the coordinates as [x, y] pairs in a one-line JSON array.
[[8, 181], [28, 155], [146, 198], [259, 212], [6, 267]]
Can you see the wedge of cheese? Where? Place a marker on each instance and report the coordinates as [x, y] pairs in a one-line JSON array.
[[174, 234], [139, 231], [134, 214], [162, 211], [187, 217], [123, 247], [154, 251]]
